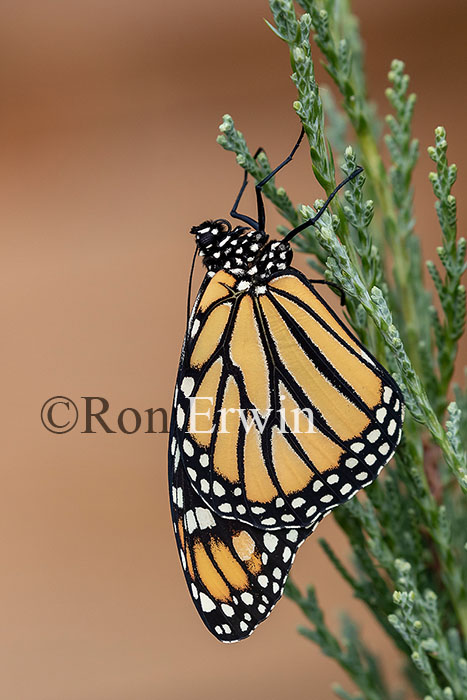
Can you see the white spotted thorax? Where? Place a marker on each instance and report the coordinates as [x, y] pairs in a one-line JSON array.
[[280, 415], [242, 252]]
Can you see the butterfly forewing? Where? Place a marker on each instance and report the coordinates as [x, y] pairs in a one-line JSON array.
[[280, 413]]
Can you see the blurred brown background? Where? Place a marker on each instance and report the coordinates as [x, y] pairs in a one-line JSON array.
[[108, 156]]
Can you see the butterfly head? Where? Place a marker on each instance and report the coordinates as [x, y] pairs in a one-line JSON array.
[[209, 234]]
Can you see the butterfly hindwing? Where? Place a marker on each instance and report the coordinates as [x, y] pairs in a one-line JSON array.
[[235, 573], [281, 349]]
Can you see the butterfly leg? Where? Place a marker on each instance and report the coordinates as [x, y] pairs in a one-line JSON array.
[[233, 212], [333, 285], [260, 224], [259, 186], [314, 219]]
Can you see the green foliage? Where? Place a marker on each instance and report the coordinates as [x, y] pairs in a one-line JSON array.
[[351, 653], [450, 291], [408, 532]]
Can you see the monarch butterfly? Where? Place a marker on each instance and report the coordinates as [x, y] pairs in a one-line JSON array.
[[279, 415]]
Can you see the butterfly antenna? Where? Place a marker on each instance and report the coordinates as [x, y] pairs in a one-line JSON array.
[[190, 281]]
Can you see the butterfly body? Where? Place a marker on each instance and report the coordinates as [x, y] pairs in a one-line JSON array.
[[280, 415]]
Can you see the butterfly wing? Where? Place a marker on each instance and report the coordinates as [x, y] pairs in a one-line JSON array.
[[235, 573], [274, 353]]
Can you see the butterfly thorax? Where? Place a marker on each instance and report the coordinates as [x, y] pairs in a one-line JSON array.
[[243, 252]]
